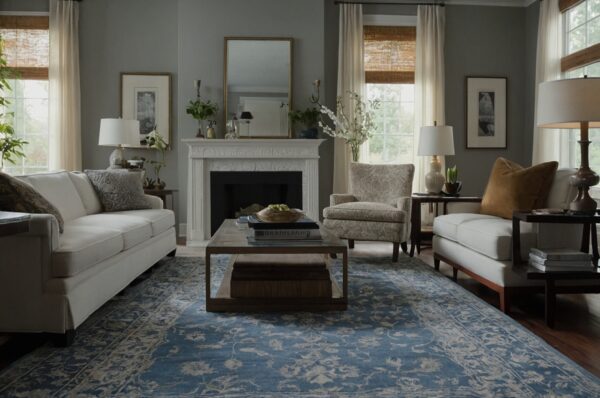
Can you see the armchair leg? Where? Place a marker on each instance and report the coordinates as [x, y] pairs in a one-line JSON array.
[[395, 252], [64, 340], [436, 263], [351, 243], [404, 247]]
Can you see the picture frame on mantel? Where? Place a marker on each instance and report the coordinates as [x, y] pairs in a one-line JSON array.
[[147, 97], [486, 107]]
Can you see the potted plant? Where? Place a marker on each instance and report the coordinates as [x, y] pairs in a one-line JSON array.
[[356, 128], [201, 110], [452, 186], [309, 118], [11, 147], [156, 141]]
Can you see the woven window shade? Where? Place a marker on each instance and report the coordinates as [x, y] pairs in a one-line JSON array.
[[390, 53], [26, 45], [564, 5]]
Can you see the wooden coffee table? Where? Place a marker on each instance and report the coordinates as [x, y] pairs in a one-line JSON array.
[[231, 239]]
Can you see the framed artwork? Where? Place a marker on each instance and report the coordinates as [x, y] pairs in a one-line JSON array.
[[147, 97], [486, 112]]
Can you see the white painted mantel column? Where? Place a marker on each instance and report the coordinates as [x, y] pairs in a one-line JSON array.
[[206, 155]]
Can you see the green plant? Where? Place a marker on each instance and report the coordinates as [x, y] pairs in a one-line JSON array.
[[156, 141], [309, 117], [452, 175], [201, 110], [11, 147]]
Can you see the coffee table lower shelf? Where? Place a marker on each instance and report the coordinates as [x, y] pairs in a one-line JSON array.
[[223, 302]]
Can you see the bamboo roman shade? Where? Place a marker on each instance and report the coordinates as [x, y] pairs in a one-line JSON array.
[[390, 54], [581, 58], [26, 45]]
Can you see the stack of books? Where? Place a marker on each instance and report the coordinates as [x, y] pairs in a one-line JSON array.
[[302, 230], [560, 260]]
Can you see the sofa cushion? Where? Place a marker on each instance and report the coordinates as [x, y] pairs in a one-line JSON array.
[[512, 187], [119, 190], [160, 219], [19, 196], [447, 226], [492, 237], [58, 188], [86, 192], [134, 229], [82, 247], [365, 211]]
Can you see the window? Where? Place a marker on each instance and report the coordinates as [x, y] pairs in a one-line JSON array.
[[26, 48], [390, 53]]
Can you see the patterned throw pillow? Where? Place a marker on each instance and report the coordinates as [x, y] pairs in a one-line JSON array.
[[119, 190], [16, 195]]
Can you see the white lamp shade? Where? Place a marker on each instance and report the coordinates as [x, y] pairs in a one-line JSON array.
[[115, 132], [436, 140], [564, 104]]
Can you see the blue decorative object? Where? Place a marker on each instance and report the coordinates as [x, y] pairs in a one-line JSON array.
[[409, 331]]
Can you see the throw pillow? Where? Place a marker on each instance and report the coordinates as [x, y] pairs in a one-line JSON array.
[[119, 190], [512, 187], [16, 195]]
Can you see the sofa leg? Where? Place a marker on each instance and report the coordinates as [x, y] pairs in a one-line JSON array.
[[172, 253], [351, 243], [454, 274], [505, 301], [404, 247], [65, 339], [395, 252], [436, 263]]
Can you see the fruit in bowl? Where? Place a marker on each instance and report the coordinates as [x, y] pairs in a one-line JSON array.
[[279, 213]]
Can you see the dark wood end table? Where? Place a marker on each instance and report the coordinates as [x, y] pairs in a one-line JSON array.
[[416, 232], [163, 194], [550, 277], [13, 223]]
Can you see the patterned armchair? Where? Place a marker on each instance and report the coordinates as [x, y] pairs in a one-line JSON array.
[[377, 207]]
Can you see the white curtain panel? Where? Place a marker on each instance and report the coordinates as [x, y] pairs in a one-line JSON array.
[[351, 77], [549, 144], [429, 81], [64, 94]]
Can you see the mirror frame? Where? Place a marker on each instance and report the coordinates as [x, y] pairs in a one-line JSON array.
[[252, 38]]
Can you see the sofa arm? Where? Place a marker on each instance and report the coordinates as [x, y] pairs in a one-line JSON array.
[[155, 202], [339, 198]]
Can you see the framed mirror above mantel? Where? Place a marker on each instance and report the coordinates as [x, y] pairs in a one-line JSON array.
[[257, 85]]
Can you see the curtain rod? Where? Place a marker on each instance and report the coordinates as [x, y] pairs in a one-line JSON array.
[[399, 3]]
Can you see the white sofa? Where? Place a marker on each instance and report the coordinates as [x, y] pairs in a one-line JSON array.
[[481, 245], [52, 282]]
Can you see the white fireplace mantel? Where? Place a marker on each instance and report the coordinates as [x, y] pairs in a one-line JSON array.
[[206, 155]]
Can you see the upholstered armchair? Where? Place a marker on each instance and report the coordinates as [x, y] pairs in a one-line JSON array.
[[377, 208]]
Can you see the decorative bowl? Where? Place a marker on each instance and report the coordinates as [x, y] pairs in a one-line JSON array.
[[274, 216]]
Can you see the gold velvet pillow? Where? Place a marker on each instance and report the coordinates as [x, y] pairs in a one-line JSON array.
[[512, 187]]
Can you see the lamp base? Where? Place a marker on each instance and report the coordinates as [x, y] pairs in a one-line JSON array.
[[434, 180], [583, 180], [116, 159]]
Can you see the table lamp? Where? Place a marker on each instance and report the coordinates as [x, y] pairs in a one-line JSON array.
[[118, 133], [573, 104], [246, 117], [435, 141]]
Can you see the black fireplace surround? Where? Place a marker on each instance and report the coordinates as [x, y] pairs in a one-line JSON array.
[[231, 191]]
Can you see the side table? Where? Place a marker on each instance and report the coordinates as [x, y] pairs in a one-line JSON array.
[[416, 232], [588, 223], [163, 194], [13, 223]]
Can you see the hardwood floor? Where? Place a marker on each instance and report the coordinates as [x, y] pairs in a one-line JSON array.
[[576, 335]]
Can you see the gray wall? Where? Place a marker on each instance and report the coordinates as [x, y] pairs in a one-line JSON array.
[[24, 5], [484, 41], [531, 26]]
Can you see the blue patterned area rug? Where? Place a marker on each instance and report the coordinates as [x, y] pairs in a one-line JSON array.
[[409, 332]]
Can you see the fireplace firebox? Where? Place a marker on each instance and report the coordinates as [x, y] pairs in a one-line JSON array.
[[231, 191]]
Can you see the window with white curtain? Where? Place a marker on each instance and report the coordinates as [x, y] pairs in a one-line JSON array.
[[390, 53], [26, 48], [581, 58]]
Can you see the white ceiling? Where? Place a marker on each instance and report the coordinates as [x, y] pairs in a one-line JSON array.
[[501, 3]]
